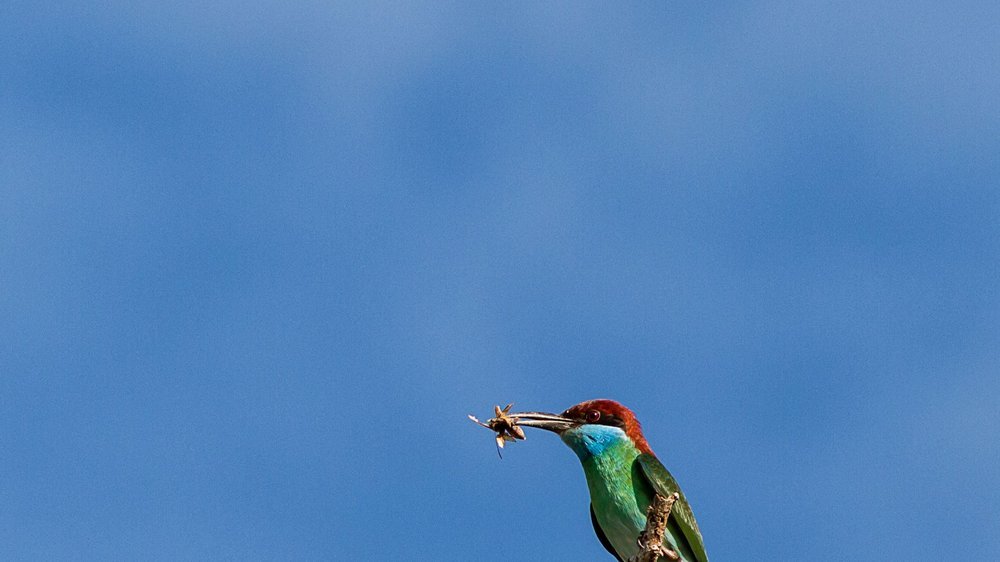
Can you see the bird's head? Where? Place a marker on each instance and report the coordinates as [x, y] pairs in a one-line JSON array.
[[590, 427]]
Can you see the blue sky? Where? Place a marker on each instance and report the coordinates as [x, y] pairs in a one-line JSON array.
[[259, 260]]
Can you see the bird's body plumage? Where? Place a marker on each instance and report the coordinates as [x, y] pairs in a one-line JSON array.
[[617, 503], [622, 482]]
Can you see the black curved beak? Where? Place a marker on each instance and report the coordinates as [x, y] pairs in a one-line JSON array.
[[542, 420]]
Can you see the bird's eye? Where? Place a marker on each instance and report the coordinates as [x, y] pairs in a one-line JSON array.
[[593, 416]]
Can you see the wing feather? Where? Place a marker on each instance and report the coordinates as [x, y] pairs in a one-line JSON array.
[[663, 482]]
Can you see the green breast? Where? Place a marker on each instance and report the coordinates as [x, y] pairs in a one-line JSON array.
[[619, 504]]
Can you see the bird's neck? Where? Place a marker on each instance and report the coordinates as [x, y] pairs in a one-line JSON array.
[[598, 440], [611, 468]]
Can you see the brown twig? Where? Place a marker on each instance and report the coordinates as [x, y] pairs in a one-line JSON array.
[[651, 546]]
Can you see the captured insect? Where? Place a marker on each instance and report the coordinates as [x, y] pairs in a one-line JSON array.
[[503, 425]]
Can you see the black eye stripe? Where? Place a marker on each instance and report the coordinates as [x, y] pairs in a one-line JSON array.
[[613, 421]]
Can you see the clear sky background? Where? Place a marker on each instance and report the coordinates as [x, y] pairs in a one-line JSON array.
[[258, 260]]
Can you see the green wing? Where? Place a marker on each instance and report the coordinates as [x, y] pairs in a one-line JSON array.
[[664, 484]]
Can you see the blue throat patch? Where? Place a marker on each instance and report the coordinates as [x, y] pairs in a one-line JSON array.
[[592, 439]]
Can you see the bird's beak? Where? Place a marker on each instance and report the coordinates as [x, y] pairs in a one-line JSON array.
[[541, 420]]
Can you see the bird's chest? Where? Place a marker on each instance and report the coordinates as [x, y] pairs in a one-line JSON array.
[[619, 506]]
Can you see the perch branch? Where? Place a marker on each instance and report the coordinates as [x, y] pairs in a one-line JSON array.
[[651, 546]]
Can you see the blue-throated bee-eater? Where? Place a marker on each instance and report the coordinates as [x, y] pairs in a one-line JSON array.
[[623, 476]]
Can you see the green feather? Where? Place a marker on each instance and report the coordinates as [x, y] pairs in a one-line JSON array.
[[664, 484]]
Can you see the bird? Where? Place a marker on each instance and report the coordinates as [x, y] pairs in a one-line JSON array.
[[623, 476]]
